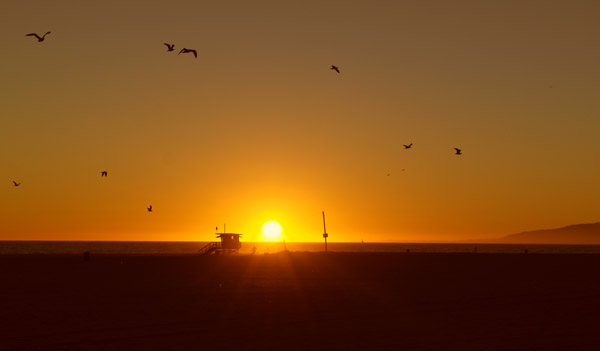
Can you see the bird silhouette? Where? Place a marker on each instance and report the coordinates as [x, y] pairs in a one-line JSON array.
[[185, 51], [150, 208], [335, 68], [170, 46], [15, 183], [104, 174], [40, 39], [458, 151], [407, 146]]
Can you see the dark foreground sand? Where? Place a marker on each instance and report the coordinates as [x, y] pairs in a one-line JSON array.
[[305, 301]]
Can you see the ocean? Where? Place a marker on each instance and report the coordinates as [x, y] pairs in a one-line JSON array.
[[191, 247]]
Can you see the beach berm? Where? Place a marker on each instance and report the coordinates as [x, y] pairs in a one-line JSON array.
[[301, 301]]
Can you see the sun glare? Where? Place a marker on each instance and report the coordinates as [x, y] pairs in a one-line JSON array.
[[271, 231]]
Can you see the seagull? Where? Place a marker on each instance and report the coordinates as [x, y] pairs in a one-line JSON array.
[[16, 184], [104, 174], [150, 208], [185, 51], [170, 46], [407, 146], [40, 39], [458, 151], [335, 68]]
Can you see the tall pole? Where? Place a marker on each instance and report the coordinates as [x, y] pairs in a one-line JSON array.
[[325, 235]]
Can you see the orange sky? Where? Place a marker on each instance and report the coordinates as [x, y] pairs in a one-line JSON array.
[[259, 128]]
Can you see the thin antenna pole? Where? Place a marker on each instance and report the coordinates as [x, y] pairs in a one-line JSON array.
[[325, 235], [224, 228]]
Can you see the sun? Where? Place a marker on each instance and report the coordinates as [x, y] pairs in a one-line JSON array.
[[271, 231]]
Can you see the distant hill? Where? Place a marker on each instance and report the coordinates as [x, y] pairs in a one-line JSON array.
[[573, 234]]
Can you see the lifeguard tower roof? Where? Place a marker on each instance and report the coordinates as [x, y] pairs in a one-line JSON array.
[[219, 235]]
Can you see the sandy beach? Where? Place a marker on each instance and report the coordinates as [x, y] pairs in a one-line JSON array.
[[335, 301]]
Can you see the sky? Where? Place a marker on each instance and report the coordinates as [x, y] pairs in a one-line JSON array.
[[259, 128]]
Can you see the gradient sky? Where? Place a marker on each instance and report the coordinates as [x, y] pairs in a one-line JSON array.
[[259, 128]]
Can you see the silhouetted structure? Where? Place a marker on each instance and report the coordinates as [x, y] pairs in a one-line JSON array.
[[230, 243], [325, 235]]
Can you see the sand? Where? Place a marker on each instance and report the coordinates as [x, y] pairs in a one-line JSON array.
[[293, 301]]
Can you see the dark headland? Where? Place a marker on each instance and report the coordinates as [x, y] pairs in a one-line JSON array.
[[301, 301], [578, 234]]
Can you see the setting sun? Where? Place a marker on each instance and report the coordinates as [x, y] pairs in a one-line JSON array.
[[271, 231]]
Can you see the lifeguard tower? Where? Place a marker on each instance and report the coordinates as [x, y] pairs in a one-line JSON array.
[[230, 243]]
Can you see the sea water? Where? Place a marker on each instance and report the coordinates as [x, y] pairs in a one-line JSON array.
[[192, 247]]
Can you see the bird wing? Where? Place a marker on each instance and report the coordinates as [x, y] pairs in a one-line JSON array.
[[33, 34], [182, 50], [195, 53]]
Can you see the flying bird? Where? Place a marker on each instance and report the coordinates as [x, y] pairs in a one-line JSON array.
[[185, 51], [15, 183], [458, 151], [407, 146], [150, 208], [104, 174], [40, 39], [170, 46], [335, 68]]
